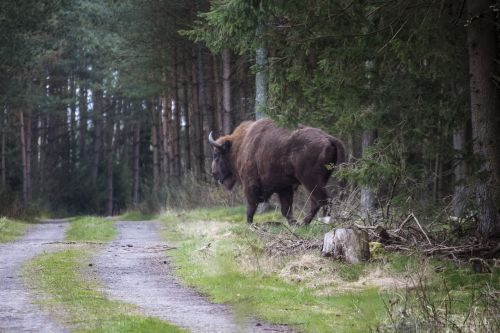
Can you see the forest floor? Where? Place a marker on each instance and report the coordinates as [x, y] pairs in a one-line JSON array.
[[132, 269]]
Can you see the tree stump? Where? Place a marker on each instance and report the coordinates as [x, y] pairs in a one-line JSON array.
[[349, 244]]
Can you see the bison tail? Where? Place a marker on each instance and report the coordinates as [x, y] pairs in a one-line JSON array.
[[340, 152]]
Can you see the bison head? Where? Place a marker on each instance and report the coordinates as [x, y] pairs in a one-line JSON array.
[[221, 166]]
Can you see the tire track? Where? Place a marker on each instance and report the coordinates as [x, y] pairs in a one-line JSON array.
[[17, 312], [134, 269]]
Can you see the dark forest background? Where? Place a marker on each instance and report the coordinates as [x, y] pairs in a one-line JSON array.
[[106, 105]]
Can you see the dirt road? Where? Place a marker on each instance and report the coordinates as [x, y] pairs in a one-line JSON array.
[[17, 312], [134, 269]]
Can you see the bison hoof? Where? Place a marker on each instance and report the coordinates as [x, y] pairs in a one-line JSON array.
[[293, 222]]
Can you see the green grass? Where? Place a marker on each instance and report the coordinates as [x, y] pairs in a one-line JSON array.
[[10, 229], [218, 273], [75, 299], [91, 229], [134, 215]]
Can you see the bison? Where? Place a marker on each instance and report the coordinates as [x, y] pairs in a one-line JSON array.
[[267, 159]]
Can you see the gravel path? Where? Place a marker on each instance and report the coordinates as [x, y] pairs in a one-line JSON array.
[[134, 269], [17, 312]]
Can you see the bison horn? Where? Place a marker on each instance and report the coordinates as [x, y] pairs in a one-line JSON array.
[[213, 142]]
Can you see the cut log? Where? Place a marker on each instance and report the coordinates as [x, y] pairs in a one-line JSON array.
[[348, 244]]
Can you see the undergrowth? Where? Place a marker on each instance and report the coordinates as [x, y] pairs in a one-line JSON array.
[[222, 256]]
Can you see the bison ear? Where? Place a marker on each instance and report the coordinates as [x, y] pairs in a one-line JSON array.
[[225, 146]]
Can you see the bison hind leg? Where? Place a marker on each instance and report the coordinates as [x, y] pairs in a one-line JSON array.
[[319, 198], [286, 203]]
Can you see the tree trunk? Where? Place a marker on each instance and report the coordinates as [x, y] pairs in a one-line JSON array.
[[367, 193], [176, 118], [154, 144], [136, 165], [4, 164], [187, 107], [165, 132], [82, 124], [98, 104], [260, 79], [24, 158], [459, 171], [202, 109], [110, 133], [218, 108], [226, 91], [482, 44]]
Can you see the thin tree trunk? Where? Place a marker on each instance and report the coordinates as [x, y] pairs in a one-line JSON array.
[[165, 132], [136, 165], [22, 134], [110, 133], [482, 43], [226, 91], [4, 164], [459, 171], [202, 109], [218, 109], [176, 118], [187, 106], [82, 129], [98, 104], [367, 192], [154, 144], [261, 74], [195, 116]]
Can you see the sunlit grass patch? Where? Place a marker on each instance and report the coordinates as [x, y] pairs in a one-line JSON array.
[[91, 229], [75, 300], [228, 262], [11, 229]]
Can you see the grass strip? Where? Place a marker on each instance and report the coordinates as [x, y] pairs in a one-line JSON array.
[[212, 261], [76, 300], [10, 229], [134, 215], [91, 229]]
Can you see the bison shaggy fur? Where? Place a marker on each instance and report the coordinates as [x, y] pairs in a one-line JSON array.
[[267, 159]]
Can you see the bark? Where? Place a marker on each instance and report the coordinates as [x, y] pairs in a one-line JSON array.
[[165, 132], [136, 165], [226, 91], [4, 165], [459, 172], [154, 144], [187, 107], [367, 192], [347, 244], [176, 118], [72, 121], [482, 44], [97, 135], [82, 123], [202, 109], [25, 156], [110, 133], [218, 92], [260, 82]]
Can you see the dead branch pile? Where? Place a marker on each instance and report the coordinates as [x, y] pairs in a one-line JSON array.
[[411, 235], [285, 242]]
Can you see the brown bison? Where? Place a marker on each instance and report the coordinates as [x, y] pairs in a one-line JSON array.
[[267, 159]]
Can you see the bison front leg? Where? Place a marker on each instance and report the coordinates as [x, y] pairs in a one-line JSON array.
[[251, 208], [286, 202]]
